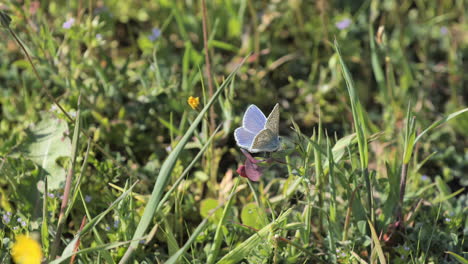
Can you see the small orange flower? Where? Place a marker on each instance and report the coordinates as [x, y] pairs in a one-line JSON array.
[[193, 102]]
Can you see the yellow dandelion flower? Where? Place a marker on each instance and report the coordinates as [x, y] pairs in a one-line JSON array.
[[26, 251], [193, 102]]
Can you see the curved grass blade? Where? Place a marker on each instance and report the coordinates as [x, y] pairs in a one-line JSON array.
[[242, 250], [458, 257], [218, 235], [105, 247], [166, 170], [174, 258], [358, 112], [440, 122], [93, 222], [377, 247]]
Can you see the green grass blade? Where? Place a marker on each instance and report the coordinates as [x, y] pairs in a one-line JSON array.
[[187, 170], [242, 250], [378, 247], [440, 122], [93, 222], [174, 259], [218, 235], [358, 116], [376, 68], [45, 226], [105, 247], [458, 257], [166, 170], [202, 225]]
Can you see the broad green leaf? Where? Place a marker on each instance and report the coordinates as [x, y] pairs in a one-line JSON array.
[[250, 216], [46, 142], [207, 205]]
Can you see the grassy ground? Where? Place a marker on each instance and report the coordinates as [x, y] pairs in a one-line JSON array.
[[102, 157]]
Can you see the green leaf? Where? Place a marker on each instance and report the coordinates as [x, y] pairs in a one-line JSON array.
[[46, 142], [250, 216], [207, 205]]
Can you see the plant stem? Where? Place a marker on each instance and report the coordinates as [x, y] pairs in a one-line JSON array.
[[212, 123], [404, 172], [208, 64]]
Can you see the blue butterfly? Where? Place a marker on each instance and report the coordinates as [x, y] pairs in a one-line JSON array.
[[258, 133]]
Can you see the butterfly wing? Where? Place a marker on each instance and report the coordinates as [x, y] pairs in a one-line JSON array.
[[265, 141], [244, 138], [254, 120], [272, 122]]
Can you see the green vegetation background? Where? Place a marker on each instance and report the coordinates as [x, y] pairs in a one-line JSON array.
[[135, 63]]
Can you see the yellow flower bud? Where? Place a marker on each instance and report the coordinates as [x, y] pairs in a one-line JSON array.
[[193, 102]]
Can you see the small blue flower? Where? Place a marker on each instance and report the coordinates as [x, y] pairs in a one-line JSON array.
[[23, 223], [108, 228], [51, 195], [88, 198], [343, 24], [424, 178], [6, 218], [443, 31], [116, 223], [69, 23], [98, 36], [155, 34], [447, 220]]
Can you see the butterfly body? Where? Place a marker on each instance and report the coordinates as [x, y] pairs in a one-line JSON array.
[[259, 133]]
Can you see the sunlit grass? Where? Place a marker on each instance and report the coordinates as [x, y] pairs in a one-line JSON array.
[[109, 152]]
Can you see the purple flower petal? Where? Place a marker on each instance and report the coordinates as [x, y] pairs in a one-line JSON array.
[[69, 23], [443, 31], [343, 24], [155, 34]]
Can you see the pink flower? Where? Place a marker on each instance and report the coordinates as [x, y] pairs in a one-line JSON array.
[[250, 170]]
